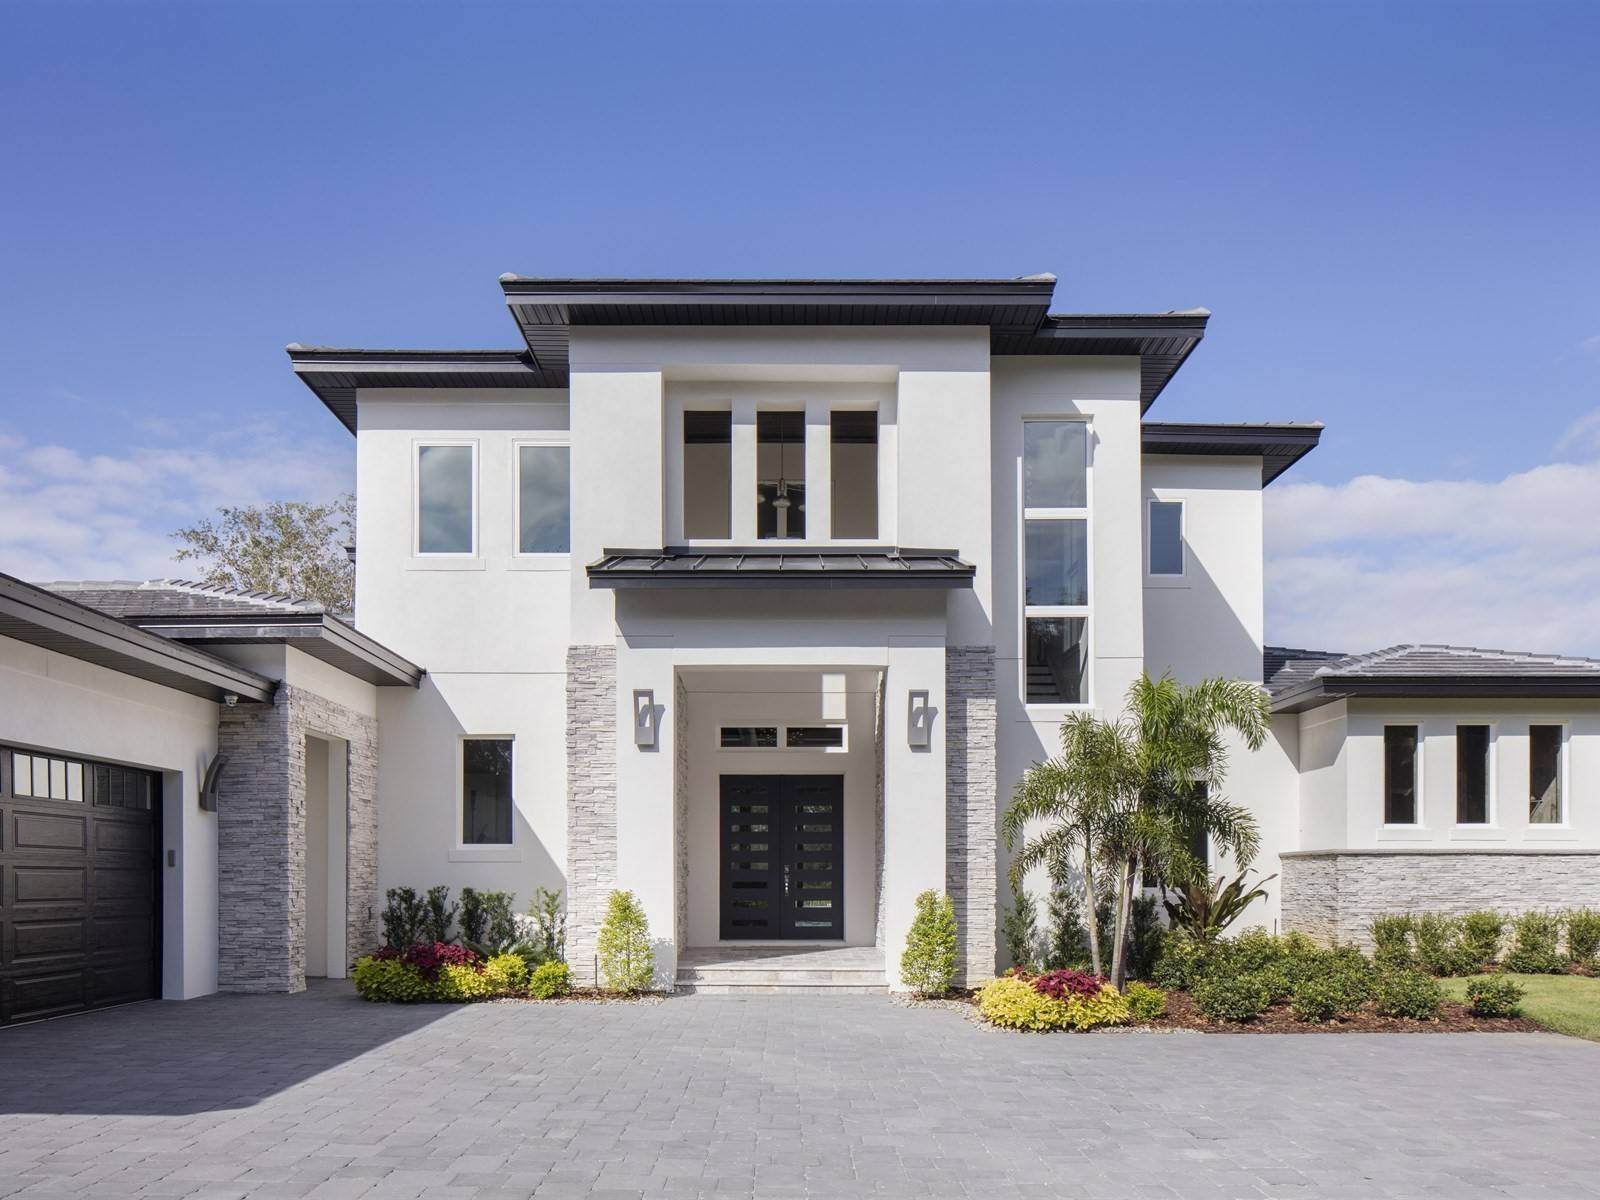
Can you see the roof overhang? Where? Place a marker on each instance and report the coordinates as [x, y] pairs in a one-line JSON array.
[[1278, 446], [316, 634], [42, 618], [335, 374], [1326, 689], [764, 567]]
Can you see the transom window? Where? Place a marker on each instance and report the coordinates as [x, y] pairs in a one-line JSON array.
[[1055, 555], [447, 498], [486, 796], [544, 486], [788, 737]]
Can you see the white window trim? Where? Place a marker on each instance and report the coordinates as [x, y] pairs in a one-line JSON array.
[[536, 559], [1491, 827], [1055, 707], [1163, 578], [1563, 826], [450, 556], [1419, 771], [462, 850], [783, 728]]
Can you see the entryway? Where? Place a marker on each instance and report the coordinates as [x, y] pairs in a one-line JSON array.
[[782, 852]]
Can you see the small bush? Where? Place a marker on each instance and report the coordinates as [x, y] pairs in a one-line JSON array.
[[1332, 984], [459, 984], [1407, 992], [1145, 1003], [1535, 938], [928, 964], [438, 915], [1495, 996], [1062, 985], [1013, 1002], [1181, 964], [550, 979], [1020, 927], [1440, 949], [1481, 934], [488, 923], [403, 915], [1391, 941], [1144, 938], [1066, 941], [1318, 998], [545, 927], [429, 958], [390, 980], [1224, 996], [508, 973], [1257, 954], [1106, 1007], [627, 962], [1583, 934]]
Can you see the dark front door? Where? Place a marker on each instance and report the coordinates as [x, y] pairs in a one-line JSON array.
[[79, 884], [782, 857]]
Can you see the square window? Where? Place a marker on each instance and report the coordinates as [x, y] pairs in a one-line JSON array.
[[445, 499], [544, 479], [1057, 563], [486, 792], [1166, 537], [1055, 464], [1056, 661]]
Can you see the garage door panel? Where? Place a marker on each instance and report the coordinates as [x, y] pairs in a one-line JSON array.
[[36, 940], [49, 831], [36, 884], [116, 934], [46, 994], [118, 984], [124, 837]]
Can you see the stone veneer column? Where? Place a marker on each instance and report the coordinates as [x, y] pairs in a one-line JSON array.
[[591, 799], [261, 837], [970, 786]]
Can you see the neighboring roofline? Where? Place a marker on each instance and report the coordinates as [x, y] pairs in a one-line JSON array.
[[602, 575], [43, 618], [320, 635], [334, 373], [1279, 446], [1327, 689]]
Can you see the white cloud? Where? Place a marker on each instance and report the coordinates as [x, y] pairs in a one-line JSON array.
[[1582, 435], [69, 515], [1512, 563]]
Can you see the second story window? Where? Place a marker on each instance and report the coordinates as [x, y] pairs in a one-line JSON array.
[[780, 475], [853, 474], [447, 507], [707, 474], [544, 479], [1055, 556], [1166, 538]]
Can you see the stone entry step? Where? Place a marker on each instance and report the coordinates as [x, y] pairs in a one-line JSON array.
[[780, 970]]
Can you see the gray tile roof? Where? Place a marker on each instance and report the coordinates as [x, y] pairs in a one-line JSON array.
[[886, 566], [134, 600], [1426, 670]]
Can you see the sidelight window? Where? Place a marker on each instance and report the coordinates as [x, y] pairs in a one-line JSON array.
[[1055, 557]]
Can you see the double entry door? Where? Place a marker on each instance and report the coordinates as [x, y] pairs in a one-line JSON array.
[[782, 857]]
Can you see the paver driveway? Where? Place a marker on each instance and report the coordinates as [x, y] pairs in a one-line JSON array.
[[321, 1095]]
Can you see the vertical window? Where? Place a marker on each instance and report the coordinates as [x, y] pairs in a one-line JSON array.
[[1472, 775], [780, 475], [544, 488], [707, 474], [854, 474], [446, 502], [1166, 537], [1400, 775], [1546, 805], [1055, 561], [486, 791]]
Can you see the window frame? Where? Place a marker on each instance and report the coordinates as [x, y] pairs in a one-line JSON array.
[[1491, 805], [782, 728], [1563, 774], [463, 850], [1168, 578], [1045, 611], [1418, 773], [561, 440], [417, 447]]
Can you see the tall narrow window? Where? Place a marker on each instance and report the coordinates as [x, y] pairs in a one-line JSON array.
[[1055, 556], [854, 474], [707, 474], [486, 792], [544, 486], [1546, 805], [1472, 774], [781, 474], [1400, 775], [445, 502], [1166, 537]]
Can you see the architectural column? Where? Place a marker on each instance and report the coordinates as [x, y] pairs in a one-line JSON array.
[[591, 800], [970, 805]]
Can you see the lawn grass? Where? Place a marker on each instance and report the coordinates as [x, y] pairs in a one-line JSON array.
[[1564, 1003]]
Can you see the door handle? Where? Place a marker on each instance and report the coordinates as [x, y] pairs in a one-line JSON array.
[[785, 879]]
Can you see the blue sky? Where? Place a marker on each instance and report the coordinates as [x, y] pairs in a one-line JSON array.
[[1391, 210]]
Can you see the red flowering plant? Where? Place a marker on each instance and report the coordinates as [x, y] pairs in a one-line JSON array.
[[1060, 985], [428, 957]]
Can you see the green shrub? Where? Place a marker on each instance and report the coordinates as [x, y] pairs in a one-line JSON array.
[[459, 985], [390, 981], [438, 915], [508, 973], [1481, 934], [548, 916], [1224, 996], [1012, 1002], [549, 979], [1495, 996], [1181, 963], [1255, 953], [1145, 1003], [1441, 945], [1144, 938], [1391, 941], [929, 962], [1106, 1007], [1583, 934], [1535, 938], [627, 962], [1066, 941], [403, 915], [1407, 992], [1020, 927], [1331, 984], [488, 924], [1318, 998]]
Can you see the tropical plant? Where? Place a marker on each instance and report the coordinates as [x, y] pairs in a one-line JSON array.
[[1020, 929], [627, 960], [1494, 996], [294, 548], [928, 963], [403, 915], [1203, 909]]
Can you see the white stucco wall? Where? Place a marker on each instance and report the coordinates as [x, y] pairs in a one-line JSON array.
[[56, 703]]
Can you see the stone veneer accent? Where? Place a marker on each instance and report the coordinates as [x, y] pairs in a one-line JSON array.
[[879, 714], [1335, 894], [680, 811], [591, 799], [261, 837], [969, 696]]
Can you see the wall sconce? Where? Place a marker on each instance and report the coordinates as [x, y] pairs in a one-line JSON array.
[[211, 785], [919, 721], [646, 719]]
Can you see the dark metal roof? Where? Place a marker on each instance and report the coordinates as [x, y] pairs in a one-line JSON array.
[[1280, 446], [874, 567], [43, 618], [335, 374], [1163, 341], [1301, 679]]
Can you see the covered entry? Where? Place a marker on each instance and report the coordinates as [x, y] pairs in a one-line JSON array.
[[782, 857]]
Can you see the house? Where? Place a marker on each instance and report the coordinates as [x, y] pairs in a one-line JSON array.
[[755, 598]]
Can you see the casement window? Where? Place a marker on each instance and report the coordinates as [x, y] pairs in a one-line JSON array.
[[780, 475], [544, 499], [486, 797], [1401, 775], [1055, 557], [447, 498], [707, 474], [1165, 556], [1546, 791], [1474, 775], [853, 474]]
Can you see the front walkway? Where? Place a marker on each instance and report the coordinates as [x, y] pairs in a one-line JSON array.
[[320, 1095]]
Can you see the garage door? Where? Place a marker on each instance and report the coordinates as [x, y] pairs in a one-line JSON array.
[[79, 884]]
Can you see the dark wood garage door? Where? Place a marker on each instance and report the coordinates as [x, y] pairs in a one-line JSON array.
[[79, 884]]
